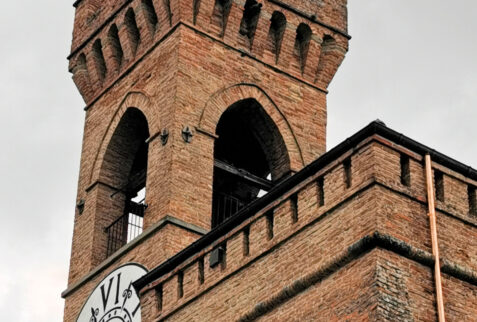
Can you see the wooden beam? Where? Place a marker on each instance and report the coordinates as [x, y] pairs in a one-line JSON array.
[[244, 175]]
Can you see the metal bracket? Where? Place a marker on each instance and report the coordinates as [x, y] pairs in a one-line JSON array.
[[187, 134], [164, 136], [80, 206]]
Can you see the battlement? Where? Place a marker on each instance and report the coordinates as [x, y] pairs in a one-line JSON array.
[[306, 40], [368, 193]]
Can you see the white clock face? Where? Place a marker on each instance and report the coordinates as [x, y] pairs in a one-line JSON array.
[[114, 299]]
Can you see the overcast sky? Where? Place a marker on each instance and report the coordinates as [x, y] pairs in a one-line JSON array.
[[412, 64]]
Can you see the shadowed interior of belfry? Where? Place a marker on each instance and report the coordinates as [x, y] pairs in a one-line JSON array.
[[125, 167], [249, 157]]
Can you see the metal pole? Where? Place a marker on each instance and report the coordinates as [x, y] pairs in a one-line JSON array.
[[435, 245]]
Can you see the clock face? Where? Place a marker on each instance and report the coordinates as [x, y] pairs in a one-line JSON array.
[[114, 299]]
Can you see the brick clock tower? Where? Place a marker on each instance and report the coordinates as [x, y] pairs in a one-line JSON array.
[[194, 109], [205, 193]]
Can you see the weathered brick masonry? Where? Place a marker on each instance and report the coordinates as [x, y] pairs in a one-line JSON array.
[[364, 254], [342, 235]]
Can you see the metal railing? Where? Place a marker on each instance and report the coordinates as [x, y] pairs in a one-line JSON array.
[[124, 229], [224, 206]]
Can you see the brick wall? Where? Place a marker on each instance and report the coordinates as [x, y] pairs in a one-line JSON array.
[[364, 255]]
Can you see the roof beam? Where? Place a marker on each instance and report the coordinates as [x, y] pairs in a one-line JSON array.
[[245, 175]]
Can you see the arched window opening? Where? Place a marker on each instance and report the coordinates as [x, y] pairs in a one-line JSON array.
[[302, 44], [81, 76], [327, 47], [125, 168], [81, 63], [220, 14], [249, 157], [195, 8], [117, 50], [99, 59], [133, 30], [278, 23], [248, 25], [167, 6], [328, 43], [150, 13]]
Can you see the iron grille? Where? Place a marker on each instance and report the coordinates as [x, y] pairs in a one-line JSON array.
[[122, 231], [224, 206]]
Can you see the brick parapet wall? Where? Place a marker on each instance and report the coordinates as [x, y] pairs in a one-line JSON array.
[[245, 280], [92, 15], [376, 201], [99, 74]]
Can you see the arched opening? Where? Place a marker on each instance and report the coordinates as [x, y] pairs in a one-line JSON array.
[[195, 9], [116, 48], [150, 13], [81, 76], [81, 63], [328, 60], [249, 157], [133, 30], [124, 168], [302, 44], [220, 15], [249, 22], [99, 61], [167, 5], [278, 23]]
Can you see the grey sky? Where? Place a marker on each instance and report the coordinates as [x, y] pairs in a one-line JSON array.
[[412, 64]]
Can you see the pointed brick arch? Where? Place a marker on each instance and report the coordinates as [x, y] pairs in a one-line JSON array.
[[221, 100], [138, 100]]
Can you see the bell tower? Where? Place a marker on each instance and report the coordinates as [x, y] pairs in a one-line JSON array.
[[194, 108]]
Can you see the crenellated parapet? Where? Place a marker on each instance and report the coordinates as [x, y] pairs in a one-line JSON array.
[[113, 43], [366, 195], [305, 40]]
